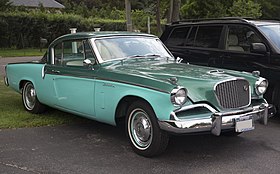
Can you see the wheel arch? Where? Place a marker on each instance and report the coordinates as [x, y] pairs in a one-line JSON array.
[[22, 82], [123, 105]]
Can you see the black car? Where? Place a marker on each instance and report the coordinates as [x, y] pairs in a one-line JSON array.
[[234, 43]]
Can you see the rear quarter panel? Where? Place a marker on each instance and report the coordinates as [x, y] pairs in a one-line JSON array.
[[32, 72]]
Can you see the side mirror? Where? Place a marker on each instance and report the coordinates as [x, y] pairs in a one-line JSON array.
[[258, 48], [88, 63]]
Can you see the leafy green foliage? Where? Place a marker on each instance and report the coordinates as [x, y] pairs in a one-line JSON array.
[[246, 8], [270, 9], [24, 29], [203, 9], [5, 5], [220, 8]]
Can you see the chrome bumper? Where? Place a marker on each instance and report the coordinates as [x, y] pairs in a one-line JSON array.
[[216, 122], [6, 81]]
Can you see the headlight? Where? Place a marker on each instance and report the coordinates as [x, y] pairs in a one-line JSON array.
[[179, 96], [261, 86]]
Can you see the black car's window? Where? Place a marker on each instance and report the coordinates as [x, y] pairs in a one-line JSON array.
[[191, 38], [240, 38], [178, 36], [272, 32], [208, 36], [73, 53]]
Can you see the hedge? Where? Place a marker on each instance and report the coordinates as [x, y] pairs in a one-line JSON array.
[[24, 29]]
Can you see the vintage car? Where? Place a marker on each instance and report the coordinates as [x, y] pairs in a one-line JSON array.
[[132, 78]]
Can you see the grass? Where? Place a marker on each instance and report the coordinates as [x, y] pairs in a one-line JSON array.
[[13, 114], [10, 52]]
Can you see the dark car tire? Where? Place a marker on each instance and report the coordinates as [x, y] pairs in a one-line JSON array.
[[276, 97], [231, 133], [30, 100], [145, 136]]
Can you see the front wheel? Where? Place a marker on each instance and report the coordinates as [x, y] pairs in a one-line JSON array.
[[30, 100], [145, 136]]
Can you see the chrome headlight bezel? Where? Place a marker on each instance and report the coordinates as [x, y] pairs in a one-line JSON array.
[[261, 86], [178, 96]]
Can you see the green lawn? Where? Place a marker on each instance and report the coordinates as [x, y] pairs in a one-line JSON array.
[[13, 114], [9, 52]]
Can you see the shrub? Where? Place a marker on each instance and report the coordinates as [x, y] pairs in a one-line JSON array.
[[24, 29]]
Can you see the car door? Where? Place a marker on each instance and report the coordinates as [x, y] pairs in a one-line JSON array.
[[203, 44], [175, 41], [73, 82], [238, 54], [199, 44]]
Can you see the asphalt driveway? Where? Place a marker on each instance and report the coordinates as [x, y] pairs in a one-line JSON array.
[[94, 147], [4, 61]]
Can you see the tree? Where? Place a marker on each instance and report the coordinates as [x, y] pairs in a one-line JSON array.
[[4, 4], [245, 8], [221, 8], [174, 11], [158, 17], [270, 9], [204, 9], [128, 15]]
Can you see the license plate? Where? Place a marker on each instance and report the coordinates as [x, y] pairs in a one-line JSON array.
[[244, 124]]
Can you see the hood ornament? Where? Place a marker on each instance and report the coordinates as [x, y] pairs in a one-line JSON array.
[[216, 71], [256, 73]]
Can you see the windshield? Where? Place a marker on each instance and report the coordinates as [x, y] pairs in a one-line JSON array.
[[273, 33], [130, 47]]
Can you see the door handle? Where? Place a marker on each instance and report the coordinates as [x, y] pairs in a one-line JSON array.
[[55, 71], [225, 56]]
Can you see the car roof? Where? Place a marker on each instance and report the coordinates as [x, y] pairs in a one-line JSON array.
[[87, 35], [226, 20]]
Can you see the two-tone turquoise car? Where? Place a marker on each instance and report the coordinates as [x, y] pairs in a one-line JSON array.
[[114, 76]]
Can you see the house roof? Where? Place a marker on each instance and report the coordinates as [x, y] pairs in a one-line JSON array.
[[37, 3]]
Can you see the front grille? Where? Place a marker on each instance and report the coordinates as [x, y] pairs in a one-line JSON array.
[[233, 93]]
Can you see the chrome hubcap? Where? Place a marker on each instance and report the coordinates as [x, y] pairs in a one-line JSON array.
[[141, 129], [29, 96]]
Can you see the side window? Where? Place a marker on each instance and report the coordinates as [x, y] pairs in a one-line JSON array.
[[73, 53], [208, 36], [73, 50], [88, 51], [240, 38], [178, 36], [191, 38], [58, 54]]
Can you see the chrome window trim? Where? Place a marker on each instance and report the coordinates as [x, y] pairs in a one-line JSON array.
[[52, 55]]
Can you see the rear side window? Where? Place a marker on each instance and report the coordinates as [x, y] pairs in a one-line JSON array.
[[208, 36], [178, 36]]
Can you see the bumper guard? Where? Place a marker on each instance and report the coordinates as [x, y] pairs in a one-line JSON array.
[[217, 122]]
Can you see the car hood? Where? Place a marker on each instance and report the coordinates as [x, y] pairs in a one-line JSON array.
[[198, 80]]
